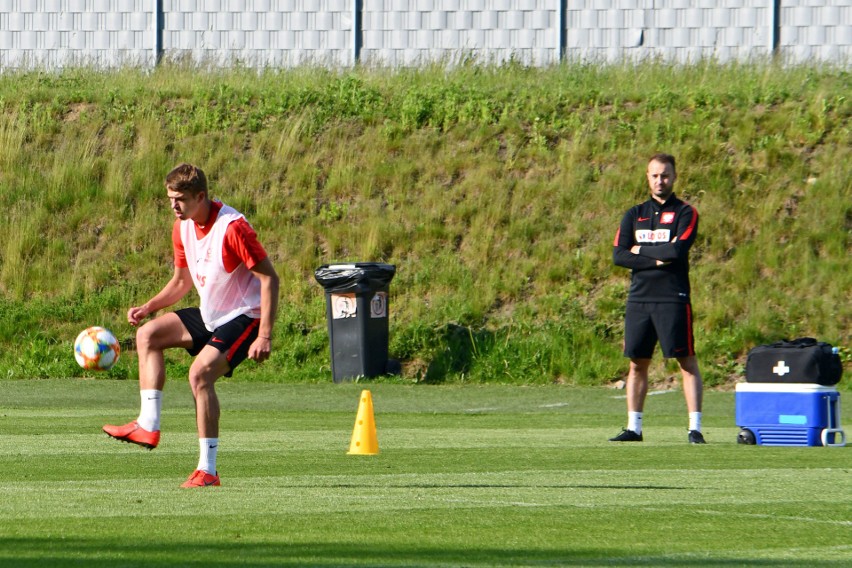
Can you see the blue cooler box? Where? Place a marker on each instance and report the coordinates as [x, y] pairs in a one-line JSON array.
[[791, 414]]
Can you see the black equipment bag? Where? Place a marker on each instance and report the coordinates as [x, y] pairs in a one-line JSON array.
[[803, 360]]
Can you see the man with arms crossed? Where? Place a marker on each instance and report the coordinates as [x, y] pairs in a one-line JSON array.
[[216, 250], [653, 241]]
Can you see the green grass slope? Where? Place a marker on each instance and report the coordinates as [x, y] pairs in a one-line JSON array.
[[496, 191]]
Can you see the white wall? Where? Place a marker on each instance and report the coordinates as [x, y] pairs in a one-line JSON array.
[[59, 33]]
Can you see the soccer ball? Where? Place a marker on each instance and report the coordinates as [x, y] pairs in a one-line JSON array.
[[96, 348]]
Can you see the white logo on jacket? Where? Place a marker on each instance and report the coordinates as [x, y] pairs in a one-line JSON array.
[[658, 236]]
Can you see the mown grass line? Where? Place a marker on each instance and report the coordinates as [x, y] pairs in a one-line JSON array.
[[476, 476]]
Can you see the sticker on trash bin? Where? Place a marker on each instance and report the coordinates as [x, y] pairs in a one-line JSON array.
[[343, 306], [379, 305]]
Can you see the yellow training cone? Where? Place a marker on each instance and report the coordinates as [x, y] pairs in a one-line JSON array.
[[364, 441]]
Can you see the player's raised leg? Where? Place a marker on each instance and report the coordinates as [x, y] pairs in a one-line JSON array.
[[152, 339]]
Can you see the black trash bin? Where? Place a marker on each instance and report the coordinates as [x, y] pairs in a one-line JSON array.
[[356, 308]]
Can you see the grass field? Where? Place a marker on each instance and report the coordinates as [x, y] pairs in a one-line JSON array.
[[466, 476]]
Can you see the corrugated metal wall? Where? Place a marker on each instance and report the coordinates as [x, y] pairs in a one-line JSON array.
[[59, 33]]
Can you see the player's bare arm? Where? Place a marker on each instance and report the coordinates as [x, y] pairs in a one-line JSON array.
[[177, 287], [262, 346]]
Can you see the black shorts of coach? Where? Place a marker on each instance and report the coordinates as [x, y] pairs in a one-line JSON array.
[[233, 338], [669, 323]]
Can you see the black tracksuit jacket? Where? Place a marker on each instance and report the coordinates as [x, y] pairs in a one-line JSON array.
[[665, 232]]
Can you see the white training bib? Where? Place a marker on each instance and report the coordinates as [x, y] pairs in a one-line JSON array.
[[224, 295]]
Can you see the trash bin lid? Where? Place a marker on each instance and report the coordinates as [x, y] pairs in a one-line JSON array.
[[355, 277]]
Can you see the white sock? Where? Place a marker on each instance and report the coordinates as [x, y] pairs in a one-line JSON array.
[[207, 454], [152, 405], [634, 422], [695, 421]]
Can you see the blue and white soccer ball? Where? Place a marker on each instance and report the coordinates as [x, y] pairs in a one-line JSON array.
[[96, 348]]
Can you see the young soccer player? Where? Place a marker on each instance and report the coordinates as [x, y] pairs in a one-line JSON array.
[[217, 252]]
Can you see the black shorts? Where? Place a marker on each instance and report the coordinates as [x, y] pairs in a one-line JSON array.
[[233, 338], [645, 323]]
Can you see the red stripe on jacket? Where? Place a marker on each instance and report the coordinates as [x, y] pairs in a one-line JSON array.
[[686, 234]]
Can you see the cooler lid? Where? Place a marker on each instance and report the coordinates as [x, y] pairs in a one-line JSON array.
[[784, 387]]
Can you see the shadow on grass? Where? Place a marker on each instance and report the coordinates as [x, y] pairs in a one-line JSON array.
[[94, 553], [490, 486]]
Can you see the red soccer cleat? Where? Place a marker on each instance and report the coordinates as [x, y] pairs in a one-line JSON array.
[[133, 433], [201, 478]]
